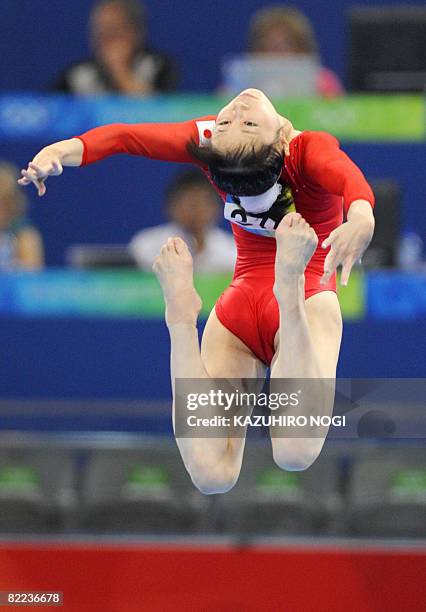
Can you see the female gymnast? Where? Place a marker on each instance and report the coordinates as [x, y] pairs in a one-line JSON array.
[[281, 310]]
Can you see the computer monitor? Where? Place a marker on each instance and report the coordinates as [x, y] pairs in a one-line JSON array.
[[383, 250], [387, 48], [278, 77], [99, 256]]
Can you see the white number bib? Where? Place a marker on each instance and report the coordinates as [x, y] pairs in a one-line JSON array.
[[259, 223]]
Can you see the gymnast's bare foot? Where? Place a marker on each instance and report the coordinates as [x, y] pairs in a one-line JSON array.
[[174, 270], [296, 243]]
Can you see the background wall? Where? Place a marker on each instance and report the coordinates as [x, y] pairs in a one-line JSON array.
[[95, 358]]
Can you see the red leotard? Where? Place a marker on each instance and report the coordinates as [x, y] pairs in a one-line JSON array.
[[323, 179]]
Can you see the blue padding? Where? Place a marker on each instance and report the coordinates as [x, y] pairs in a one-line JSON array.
[[396, 296]]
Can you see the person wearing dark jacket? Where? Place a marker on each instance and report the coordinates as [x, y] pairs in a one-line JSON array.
[[122, 62]]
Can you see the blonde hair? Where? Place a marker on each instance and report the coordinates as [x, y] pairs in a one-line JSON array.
[[292, 20], [10, 192]]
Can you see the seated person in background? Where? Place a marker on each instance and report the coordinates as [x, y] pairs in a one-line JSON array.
[[192, 207], [20, 244], [284, 31], [122, 61]]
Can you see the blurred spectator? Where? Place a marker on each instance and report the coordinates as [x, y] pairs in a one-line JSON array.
[[192, 207], [286, 32], [122, 61], [20, 243]]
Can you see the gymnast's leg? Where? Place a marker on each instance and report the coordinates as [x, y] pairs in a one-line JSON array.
[[213, 463], [307, 342]]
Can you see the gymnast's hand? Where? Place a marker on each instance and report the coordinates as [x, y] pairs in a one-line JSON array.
[[349, 241], [46, 163], [50, 162]]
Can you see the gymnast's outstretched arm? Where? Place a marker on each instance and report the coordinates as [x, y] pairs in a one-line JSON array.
[[162, 141]]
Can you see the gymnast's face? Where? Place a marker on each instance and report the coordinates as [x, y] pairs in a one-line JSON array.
[[249, 119]]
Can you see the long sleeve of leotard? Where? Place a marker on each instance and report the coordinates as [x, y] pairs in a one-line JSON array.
[[163, 141], [325, 164]]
